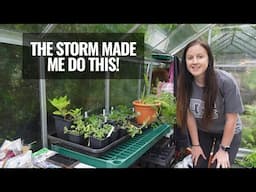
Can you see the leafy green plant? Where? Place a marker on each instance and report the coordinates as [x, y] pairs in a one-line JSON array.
[[94, 120], [120, 113], [132, 129], [250, 110], [249, 127], [248, 161], [61, 104], [166, 112], [72, 131], [78, 126], [248, 138], [167, 108], [93, 125], [101, 132]]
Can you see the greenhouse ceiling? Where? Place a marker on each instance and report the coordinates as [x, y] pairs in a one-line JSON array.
[[165, 38]]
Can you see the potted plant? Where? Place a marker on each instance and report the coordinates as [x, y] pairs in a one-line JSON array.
[[62, 116], [75, 136], [167, 110], [133, 130], [76, 132], [119, 114], [146, 108], [101, 136], [118, 118], [153, 106]]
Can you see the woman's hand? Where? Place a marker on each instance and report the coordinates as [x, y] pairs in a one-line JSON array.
[[222, 158], [196, 151]]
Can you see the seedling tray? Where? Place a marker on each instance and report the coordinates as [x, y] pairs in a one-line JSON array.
[[84, 149], [159, 156]]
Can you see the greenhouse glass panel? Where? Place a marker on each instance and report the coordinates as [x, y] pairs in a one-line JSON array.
[[93, 28], [156, 38], [20, 109], [123, 92], [23, 28], [82, 93], [185, 33]]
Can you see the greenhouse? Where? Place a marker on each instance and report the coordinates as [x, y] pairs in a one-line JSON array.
[[32, 100]]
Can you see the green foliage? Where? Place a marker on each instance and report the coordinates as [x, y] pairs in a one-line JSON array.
[[78, 126], [77, 91], [167, 108], [248, 161], [92, 126], [146, 89], [250, 110], [132, 129], [94, 120], [248, 138], [72, 131], [29, 28], [249, 127], [101, 132], [249, 79], [61, 103], [120, 113], [149, 99]]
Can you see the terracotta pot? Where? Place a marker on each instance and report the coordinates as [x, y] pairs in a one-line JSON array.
[[146, 113]]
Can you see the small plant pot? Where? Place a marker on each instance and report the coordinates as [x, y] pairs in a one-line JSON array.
[[114, 135], [60, 123], [78, 139], [122, 132], [99, 143]]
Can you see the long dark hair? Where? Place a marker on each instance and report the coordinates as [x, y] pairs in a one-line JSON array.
[[184, 89]]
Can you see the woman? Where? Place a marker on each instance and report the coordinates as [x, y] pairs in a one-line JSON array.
[[208, 105]]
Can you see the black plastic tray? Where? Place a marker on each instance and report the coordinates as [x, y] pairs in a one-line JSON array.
[[83, 149], [159, 156]]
